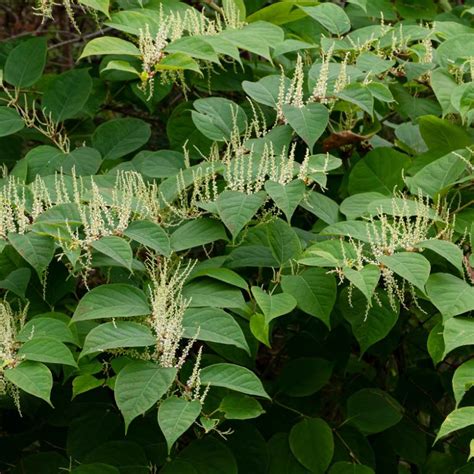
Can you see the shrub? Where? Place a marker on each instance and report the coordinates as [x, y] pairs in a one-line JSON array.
[[236, 237]]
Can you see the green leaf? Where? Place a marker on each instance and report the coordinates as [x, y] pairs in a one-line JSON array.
[[456, 420], [365, 279], [119, 137], [435, 343], [312, 443], [115, 300], [99, 5], [115, 335], [451, 295], [322, 206], [463, 380], [357, 205], [233, 377], [281, 459], [236, 406], [372, 410], [46, 327], [109, 45], [331, 16], [213, 325], [442, 134], [379, 171], [33, 378], [17, 281], [451, 252], [150, 235], [273, 306], [37, 250], [286, 196], [210, 293], [67, 94], [411, 266], [216, 118], [175, 416], [47, 350], [370, 324], [25, 63], [359, 95], [196, 233], [222, 274], [259, 328], [116, 248], [195, 47], [440, 174], [283, 241], [85, 383], [314, 290], [265, 91], [139, 386], [236, 209], [10, 121], [309, 122], [178, 62], [458, 332]]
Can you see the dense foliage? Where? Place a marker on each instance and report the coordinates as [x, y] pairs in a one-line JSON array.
[[236, 237]]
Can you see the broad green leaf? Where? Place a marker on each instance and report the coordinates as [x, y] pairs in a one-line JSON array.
[[115, 300], [109, 45], [116, 248], [213, 325], [456, 420], [99, 5], [435, 343], [217, 118], [321, 206], [25, 63], [33, 378], [222, 274], [442, 134], [233, 377], [359, 95], [10, 121], [265, 91], [139, 386], [281, 459], [115, 335], [309, 121], [273, 306], [48, 350], [259, 328], [360, 230], [303, 376], [331, 16], [314, 290], [236, 209], [205, 292], [195, 47], [312, 443], [37, 250], [119, 137], [370, 324], [85, 383], [357, 205], [458, 332], [178, 62], [463, 380], [379, 171], [67, 94], [196, 233], [46, 327], [365, 279], [372, 410], [175, 416], [286, 196], [451, 295], [17, 281], [459, 48], [236, 406], [283, 241], [150, 235], [411, 266], [451, 252], [440, 174]]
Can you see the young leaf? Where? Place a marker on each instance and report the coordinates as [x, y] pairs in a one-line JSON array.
[[175, 416], [139, 386], [312, 443], [115, 300], [115, 335], [309, 121], [233, 377], [411, 266], [32, 377], [273, 306]]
